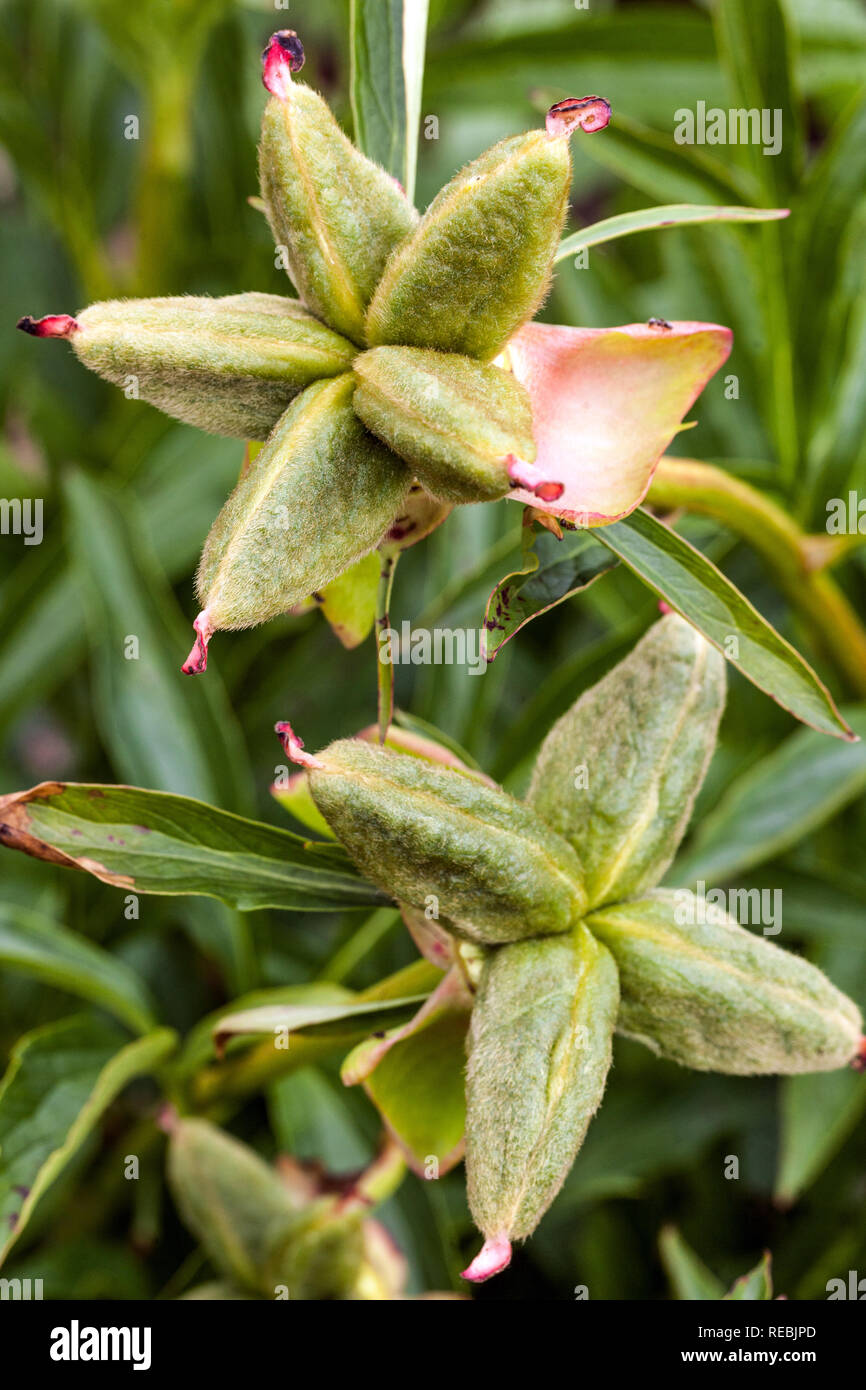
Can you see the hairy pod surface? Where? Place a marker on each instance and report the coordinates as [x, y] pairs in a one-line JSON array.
[[617, 776], [479, 263], [539, 1052], [715, 997], [418, 831], [230, 1199], [338, 215], [454, 421], [321, 493], [230, 366], [321, 1257]]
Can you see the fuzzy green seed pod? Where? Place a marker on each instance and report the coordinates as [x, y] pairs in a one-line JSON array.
[[230, 1199], [321, 493], [338, 215], [230, 366], [479, 263], [321, 1258], [539, 1052], [701, 990], [454, 421], [423, 832], [619, 773]]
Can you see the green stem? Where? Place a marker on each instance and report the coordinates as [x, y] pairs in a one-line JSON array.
[[359, 944], [385, 669], [797, 559]]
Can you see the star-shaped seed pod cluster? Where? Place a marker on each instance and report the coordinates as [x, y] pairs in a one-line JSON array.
[[553, 932], [408, 369]]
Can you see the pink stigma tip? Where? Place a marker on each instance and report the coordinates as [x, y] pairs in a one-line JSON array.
[[283, 56], [587, 113], [196, 662], [527, 476], [294, 746], [859, 1060], [492, 1258], [52, 326]]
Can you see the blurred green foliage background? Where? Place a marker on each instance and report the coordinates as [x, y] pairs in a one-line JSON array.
[[129, 496]]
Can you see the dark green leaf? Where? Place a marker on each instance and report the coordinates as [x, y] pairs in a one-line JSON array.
[[783, 797], [34, 945], [552, 571], [692, 585], [60, 1080], [387, 41]]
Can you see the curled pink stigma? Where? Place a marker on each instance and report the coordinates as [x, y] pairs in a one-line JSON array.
[[589, 114], [52, 326], [492, 1258], [196, 662], [283, 56], [293, 747]]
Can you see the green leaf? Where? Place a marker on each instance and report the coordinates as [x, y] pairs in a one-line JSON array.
[[816, 1118], [59, 1082], [31, 944], [755, 1286], [634, 56], [387, 40], [199, 1045], [349, 601], [659, 167], [688, 1276], [780, 799], [418, 1089], [424, 729], [817, 1114], [153, 842], [692, 585], [757, 54], [178, 735], [552, 571], [267, 1020], [651, 219]]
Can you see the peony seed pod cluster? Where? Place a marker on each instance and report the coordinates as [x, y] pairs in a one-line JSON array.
[[559, 933], [405, 366]]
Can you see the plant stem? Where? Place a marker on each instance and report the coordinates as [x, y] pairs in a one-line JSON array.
[[797, 559], [366, 938], [385, 669]]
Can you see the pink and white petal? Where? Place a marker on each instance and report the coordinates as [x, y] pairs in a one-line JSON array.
[[606, 403]]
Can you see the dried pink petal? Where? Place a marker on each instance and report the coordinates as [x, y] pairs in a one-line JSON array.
[[606, 403]]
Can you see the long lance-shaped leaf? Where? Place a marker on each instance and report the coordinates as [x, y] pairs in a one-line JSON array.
[[60, 1080], [692, 585], [780, 799], [31, 944], [651, 219], [154, 842], [387, 41]]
